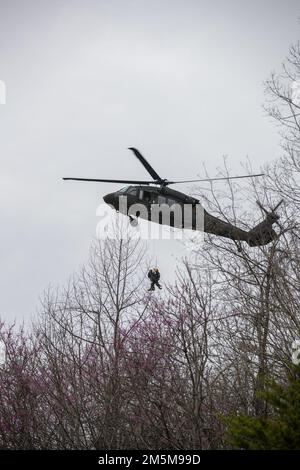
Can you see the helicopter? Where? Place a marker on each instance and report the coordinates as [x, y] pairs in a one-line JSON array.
[[143, 199]]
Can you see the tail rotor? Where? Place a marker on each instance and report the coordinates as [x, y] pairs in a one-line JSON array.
[[271, 216]]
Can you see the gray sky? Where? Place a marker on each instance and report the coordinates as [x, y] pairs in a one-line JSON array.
[[180, 80]]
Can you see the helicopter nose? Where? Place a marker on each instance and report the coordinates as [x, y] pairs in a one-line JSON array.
[[109, 198]]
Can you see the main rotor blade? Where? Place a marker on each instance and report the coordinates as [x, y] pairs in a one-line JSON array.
[[144, 162], [109, 181], [216, 179]]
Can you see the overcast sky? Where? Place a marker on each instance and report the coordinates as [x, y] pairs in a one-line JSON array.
[[180, 80]]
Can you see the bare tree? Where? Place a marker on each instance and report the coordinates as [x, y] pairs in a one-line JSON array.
[[283, 105], [83, 326]]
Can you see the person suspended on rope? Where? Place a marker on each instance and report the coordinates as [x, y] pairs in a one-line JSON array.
[[154, 276]]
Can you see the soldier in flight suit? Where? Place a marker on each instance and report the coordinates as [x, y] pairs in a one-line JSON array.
[[154, 276]]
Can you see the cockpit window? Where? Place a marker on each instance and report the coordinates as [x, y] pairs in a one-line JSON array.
[[123, 190], [132, 191]]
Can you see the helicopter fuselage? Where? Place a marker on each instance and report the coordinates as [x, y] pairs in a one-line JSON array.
[[166, 206], [155, 201], [162, 205]]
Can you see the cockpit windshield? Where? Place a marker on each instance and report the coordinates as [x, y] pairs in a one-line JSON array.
[[130, 190], [124, 189]]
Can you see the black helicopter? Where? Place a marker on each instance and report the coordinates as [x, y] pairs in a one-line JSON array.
[[146, 198]]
